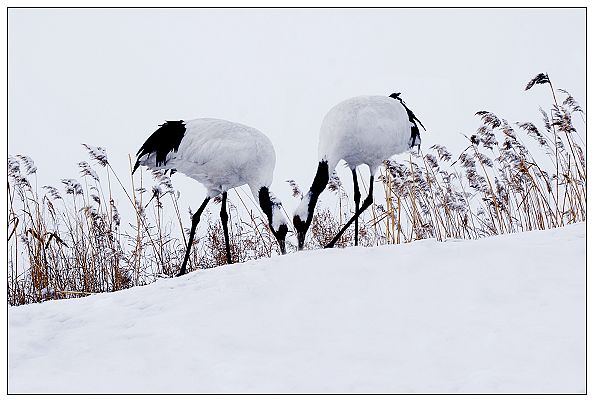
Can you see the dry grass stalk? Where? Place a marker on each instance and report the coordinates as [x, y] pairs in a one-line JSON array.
[[70, 243]]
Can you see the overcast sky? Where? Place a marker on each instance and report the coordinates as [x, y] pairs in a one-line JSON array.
[[108, 77]]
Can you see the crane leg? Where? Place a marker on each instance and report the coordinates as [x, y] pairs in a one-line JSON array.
[[366, 203], [357, 201], [195, 220], [224, 220]]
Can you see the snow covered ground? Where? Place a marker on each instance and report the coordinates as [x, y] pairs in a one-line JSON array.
[[499, 315]]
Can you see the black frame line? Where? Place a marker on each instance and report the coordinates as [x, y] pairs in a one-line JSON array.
[[585, 8]]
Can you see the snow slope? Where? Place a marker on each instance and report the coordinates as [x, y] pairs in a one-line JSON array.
[[499, 315]]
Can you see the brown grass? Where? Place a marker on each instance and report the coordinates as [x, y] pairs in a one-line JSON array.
[[70, 243]]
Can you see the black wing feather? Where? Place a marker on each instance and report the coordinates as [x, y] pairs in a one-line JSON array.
[[163, 141]]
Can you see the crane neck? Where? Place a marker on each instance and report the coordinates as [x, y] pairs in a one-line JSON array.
[[272, 208], [307, 207]]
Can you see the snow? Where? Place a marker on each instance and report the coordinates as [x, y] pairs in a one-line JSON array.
[[499, 315]]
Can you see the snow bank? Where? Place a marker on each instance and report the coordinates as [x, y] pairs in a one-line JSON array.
[[499, 315]]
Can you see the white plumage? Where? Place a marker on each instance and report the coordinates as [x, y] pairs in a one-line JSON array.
[[221, 155], [365, 130]]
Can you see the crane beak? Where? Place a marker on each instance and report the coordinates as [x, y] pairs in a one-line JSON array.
[[281, 244], [300, 240], [301, 230], [280, 235]]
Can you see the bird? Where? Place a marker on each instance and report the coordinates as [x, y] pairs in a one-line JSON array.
[[221, 155], [364, 130]]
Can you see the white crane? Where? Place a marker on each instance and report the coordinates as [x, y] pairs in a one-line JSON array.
[[221, 155], [365, 130]]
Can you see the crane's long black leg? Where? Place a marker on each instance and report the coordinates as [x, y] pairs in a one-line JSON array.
[[195, 220], [224, 220], [366, 203], [357, 201]]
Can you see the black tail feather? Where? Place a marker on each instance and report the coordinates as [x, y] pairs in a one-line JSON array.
[[414, 130], [136, 165], [164, 140]]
